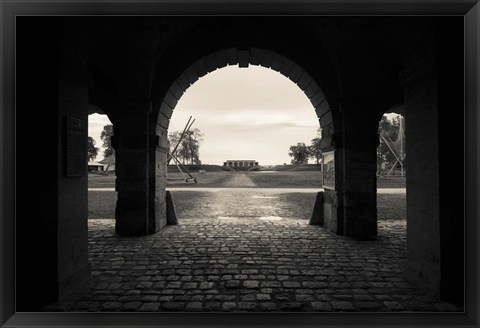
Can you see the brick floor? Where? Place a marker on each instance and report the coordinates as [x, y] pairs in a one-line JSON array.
[[245, 264]]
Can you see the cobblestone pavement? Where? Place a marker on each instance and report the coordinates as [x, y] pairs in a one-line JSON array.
[[248, 263]]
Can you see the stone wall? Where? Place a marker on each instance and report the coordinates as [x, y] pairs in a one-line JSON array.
[[73, 266], [52, 246]]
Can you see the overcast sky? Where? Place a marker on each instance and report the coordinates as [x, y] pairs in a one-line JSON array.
[[244, 113]]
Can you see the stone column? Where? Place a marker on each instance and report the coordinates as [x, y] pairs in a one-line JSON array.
[[350, 206], [51, 252], [434, 126], [332, 196], [423, 193], [360, 142], [130, 142], [158, 151]]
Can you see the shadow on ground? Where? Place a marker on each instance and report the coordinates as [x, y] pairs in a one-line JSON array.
[[250, 251]]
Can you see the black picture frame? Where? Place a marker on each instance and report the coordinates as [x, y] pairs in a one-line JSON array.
[[9, 9]]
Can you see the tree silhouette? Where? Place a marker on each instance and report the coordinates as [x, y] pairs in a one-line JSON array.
[[299, 153], [106, 137], [189, 149], [314, 148], [92, 150]]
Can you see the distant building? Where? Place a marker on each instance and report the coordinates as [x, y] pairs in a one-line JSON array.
[[240, 163], [108, 163], [95, 167]]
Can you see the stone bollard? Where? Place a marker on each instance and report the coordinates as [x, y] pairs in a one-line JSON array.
[[317, 215], [171, 215]]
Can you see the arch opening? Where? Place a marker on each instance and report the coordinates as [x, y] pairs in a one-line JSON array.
[[391, 173], [102, 197], [243, 58], [248, 118]]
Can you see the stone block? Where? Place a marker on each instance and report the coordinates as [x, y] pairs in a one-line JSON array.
[[304, 81], [251, 284], [157, 213], [255, 56], [229, 306], [210, 62], [194, 306], [243, 57], [276, 62], [330, 212], [232, 284], [170, 100], [326, 144], [367, 306], [247, 306], [268, 306], [291, 284], [199, 68], [173, 306], [317, 98], [212, 306], [166, 110], [163, 142], [287, 66], [343, 306], [221, 58], [232, 56], [326, 119], [191, 76], [296, 73], [184, 81], [327, 131], [162, 123], [312, 89], [176, 90], [321, 306], [266, 59], [290, 306]]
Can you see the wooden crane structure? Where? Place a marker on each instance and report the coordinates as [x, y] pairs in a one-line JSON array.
[[397, 148], [187, 176]]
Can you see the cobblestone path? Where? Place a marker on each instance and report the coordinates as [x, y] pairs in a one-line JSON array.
[[230, 263]]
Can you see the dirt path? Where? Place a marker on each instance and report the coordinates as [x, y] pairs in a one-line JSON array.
[[239, 179]]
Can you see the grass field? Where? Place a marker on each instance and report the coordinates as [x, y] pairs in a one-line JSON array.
[[101, 181], [261, 179], [101, 204]]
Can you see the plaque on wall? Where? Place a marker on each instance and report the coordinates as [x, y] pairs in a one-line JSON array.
[[76, 152], [328, 160]]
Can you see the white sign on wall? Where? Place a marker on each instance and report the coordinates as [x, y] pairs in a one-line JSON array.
[[328, 159]]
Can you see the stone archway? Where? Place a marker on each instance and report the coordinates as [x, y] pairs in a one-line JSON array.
[[128, 49], [243, 57]]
